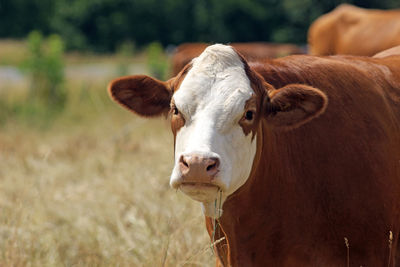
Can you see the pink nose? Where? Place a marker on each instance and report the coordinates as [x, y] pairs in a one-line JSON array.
[[198, 169]]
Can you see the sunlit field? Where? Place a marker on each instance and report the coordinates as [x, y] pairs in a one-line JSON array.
[[90, 187]]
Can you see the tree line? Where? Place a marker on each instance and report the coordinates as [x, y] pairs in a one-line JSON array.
[[103, 25]]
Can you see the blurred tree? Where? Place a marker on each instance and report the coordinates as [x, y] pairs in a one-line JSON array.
[[19, 17], [101, 25]]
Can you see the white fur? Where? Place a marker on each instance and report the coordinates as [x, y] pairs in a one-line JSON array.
[[212, 99]]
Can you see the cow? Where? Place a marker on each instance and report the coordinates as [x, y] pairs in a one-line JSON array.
[[295, 161], [354, 31], [184, 53]]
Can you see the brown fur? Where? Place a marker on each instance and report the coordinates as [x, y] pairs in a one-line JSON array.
[[354, 31], [336, 175], [251, 105]]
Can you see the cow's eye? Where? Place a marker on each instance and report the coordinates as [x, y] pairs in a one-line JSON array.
[[249, 115], [175, 111]]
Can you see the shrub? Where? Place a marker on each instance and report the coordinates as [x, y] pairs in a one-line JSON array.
[[45, 66], [125, 54], [157, 61]]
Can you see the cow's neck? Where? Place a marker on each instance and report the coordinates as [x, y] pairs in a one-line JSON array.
[[266, 204], [292, 212]]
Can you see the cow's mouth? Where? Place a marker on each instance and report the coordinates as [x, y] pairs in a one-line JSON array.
[[203, 192]]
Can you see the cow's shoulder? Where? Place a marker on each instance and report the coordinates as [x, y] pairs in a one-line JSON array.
[[341, 78], [324, 69], [362, 86]]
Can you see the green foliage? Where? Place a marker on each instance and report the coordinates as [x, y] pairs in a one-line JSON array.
[[125, 53], [101, 25], [19, 17], [45, 65], [157, 61], [47, 95]]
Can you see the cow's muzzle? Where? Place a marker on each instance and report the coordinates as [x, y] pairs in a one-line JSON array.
[[199, 176]]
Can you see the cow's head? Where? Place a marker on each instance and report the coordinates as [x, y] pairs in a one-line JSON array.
[[216, 104]]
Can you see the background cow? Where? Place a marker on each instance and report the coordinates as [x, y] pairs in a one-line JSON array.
[[289, 157], [184, 53], [354, 31]]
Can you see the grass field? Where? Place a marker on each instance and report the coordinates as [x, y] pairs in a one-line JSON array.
[[90, 188]]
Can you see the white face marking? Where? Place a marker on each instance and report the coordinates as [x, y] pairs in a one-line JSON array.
[[212, 100]]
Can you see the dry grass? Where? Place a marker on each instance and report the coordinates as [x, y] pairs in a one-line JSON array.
[[12, 52], [92, 190]]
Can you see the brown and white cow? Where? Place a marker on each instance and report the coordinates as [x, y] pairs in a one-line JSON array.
[[354, 31], [184, 53], [289, 157]]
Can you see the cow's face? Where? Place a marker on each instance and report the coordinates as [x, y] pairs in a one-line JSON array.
[[216, 104], [212, 112]]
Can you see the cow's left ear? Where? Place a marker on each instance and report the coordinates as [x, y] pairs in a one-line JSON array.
[[141, 94], [294, 105]]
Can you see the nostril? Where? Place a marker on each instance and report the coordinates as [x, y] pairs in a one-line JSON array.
[[213, 165], [183, 161]]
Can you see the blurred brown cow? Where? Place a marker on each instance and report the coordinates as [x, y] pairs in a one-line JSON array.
[[354, 31], [251, 51]]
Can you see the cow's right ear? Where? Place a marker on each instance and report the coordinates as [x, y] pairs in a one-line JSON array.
[[141, 94]]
